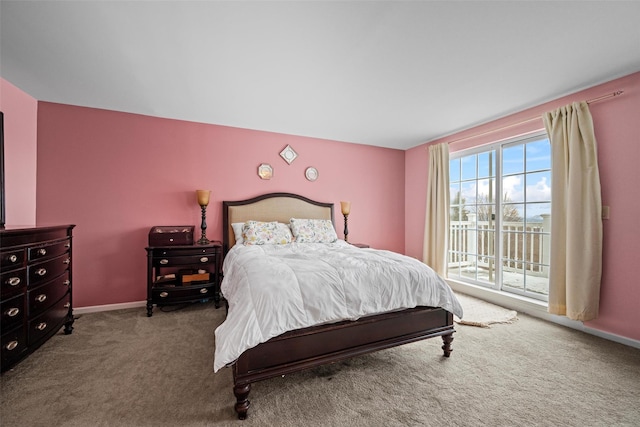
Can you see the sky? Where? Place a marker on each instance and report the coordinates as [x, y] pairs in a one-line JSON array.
[[526, 176]]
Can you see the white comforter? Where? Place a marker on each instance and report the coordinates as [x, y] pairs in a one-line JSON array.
[[272, 289]]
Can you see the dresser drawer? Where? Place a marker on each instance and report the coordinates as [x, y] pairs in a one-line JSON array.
[[49, 322], [34, 235], [172, 295], [44, 271], [13, 282], [12, 259], [48, 251], [13, 345], [12, 312], [48, 294]]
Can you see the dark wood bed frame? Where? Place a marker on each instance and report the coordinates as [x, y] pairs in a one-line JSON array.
[[311, 347]]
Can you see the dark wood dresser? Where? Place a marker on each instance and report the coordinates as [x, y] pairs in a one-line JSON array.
[[183, 274], [36, 288]]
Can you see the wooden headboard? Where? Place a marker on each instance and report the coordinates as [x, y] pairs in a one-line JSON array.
[[270, 207]]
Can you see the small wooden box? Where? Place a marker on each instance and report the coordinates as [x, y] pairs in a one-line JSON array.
[[171, 235]]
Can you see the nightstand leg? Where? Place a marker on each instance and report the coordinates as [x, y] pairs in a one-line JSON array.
[[216, 297]]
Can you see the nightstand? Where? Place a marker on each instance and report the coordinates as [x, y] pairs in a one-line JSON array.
[[183, 274]]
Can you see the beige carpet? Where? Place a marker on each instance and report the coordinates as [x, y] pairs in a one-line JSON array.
[[483, 314], [123, 369]]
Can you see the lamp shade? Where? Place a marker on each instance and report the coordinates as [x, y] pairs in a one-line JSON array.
[[345, 207], [203, 197]]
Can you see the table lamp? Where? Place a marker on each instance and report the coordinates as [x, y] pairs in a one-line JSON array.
[[346, 209], [203, 201]]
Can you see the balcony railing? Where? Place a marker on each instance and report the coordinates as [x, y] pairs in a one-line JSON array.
[[525, 252]]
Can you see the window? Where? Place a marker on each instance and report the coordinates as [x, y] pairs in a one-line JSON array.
[[500, 216]]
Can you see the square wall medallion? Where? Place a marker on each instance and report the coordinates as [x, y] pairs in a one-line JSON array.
[[288, 154]]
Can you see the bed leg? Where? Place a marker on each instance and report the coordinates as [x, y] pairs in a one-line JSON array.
[[241, 392], [446, 347]]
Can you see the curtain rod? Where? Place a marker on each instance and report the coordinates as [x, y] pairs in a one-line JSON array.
[[530, 119]]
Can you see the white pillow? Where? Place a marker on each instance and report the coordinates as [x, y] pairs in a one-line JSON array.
[[237, 231], [265, 233], [313, 230]]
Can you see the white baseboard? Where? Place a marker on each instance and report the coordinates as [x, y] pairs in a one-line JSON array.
[[109, 307], [536, 309], [514, 302]]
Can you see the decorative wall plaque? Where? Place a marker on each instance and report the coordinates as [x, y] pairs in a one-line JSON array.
[[265, 171], [288, 154], [311, 173]]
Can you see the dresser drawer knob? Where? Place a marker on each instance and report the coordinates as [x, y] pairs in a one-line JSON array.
[[164, 294], [13, 312], [67, 245], [13, 281], [41, 298], [42, 251], [204, 290], [41, 271], [66, 282], [41, 326], [11, 345], [164, 261], [67, 261], [13, 258], [204, 259], [67, 305]]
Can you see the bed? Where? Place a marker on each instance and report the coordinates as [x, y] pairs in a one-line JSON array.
[[314, 345]]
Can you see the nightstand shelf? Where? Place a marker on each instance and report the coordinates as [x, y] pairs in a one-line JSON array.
[[183, 274]]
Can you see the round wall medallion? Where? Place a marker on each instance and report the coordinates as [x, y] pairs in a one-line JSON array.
[[311, 173]]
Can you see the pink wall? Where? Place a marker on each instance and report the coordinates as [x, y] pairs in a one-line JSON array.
[[20, 148], [617, 127], [116, 174]]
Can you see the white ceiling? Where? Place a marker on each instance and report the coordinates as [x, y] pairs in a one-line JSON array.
[[386, 73]]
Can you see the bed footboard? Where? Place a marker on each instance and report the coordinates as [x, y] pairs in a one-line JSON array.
[[310, 347]]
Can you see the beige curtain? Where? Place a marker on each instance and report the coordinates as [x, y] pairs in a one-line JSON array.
[[436, 227], [576, 230]]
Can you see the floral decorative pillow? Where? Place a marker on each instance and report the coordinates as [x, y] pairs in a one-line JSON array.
[[266, 233], [313, 230]]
